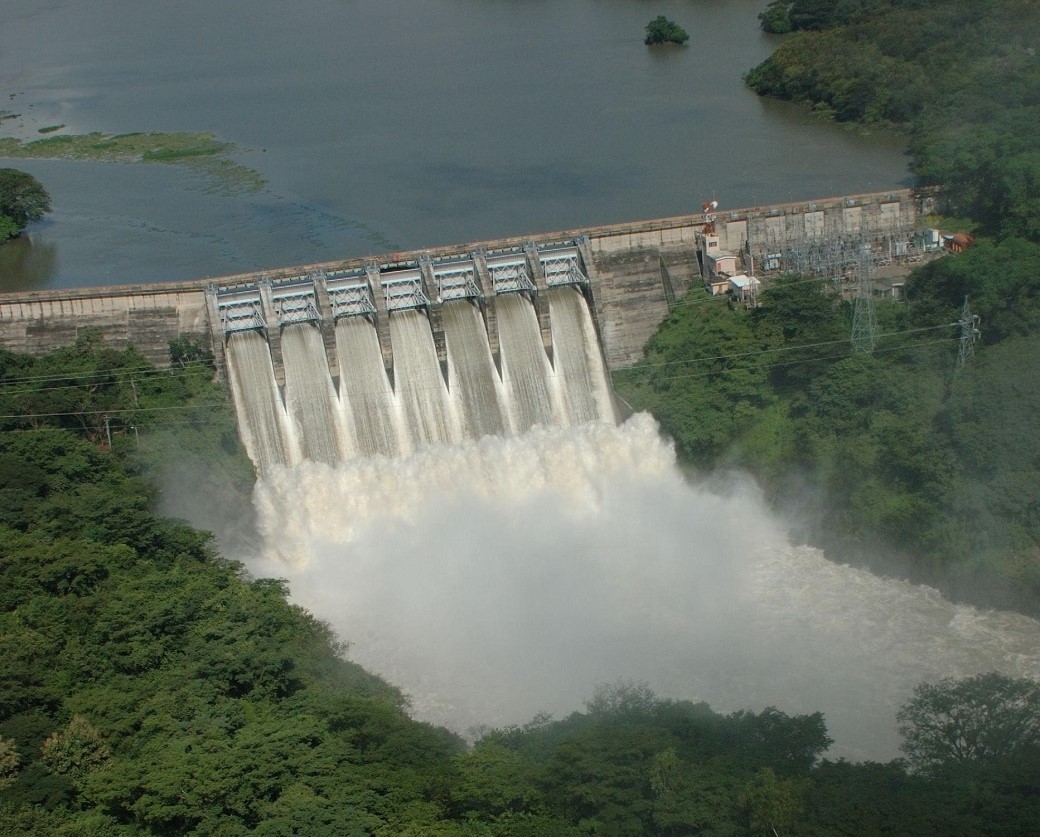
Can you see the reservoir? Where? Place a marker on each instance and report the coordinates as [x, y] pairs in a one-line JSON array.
[[391, 124]]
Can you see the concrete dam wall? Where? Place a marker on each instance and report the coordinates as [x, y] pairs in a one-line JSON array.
[[630, 274]]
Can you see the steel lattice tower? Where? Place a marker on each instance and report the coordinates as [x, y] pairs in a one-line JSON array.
[[969, 324], [864, 315]]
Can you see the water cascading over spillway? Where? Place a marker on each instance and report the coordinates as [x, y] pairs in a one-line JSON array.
[[579, 365], [476, 394], [310, 398], [519, 548], [418, 382], [365, 389], [262, 420], [368, 416], [531, 390]]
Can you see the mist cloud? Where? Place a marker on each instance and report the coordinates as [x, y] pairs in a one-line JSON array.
[[492, 580]]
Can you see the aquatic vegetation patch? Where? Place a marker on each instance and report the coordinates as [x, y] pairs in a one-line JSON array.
[[201, 151]]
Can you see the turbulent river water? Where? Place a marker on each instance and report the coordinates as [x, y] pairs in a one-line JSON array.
[[497, 578]]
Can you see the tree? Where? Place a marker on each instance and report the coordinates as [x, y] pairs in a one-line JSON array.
[[22, 199], [661, 30], [702, 377], [189, 350], [9, 762], [76, 749], [776, 18], [983, 719], [811, 14], [621, 698], [8, 228], [772, 804]]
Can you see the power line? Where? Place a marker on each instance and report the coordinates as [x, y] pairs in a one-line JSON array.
[[787, 348], [214, 420], [112, 370], [118, 411], [222, 405], [132, 380], [844, 356]]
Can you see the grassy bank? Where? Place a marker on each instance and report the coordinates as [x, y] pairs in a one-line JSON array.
[[201, 152]]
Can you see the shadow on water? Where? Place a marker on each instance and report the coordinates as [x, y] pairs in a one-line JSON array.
[[26, 265]]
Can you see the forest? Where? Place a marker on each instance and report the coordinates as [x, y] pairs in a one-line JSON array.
[[960, 77]]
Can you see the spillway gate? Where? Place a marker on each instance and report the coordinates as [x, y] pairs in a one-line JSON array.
[[379, 290]]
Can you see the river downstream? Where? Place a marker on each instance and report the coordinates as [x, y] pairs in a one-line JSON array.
[[385, 124]]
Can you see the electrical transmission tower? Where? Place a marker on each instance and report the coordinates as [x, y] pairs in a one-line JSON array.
[[969, 324], [864, 315]]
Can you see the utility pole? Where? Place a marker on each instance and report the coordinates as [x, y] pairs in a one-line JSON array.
[[864, 315], [969, 324]]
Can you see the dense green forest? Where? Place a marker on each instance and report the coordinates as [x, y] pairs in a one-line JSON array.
[[961, 77], [148, 686]]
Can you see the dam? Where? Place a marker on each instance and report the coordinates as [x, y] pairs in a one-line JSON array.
[[629, 275]]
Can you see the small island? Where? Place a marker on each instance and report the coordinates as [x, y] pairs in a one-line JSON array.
[[661, 30]]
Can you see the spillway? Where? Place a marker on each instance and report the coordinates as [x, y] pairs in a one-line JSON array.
[[423, 402], [493, 543], [310, 398], [476, 388], [262, 420], [419, 384], [579, 364], [365, 391], [530, 384]]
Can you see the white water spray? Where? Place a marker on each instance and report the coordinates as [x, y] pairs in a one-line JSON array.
[[492, 577], [495, 579]]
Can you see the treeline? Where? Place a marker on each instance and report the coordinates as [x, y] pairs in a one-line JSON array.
[[148, 686], [896, 459], [961, 77]]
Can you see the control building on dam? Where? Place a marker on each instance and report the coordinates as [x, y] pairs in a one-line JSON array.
[[630, 274]]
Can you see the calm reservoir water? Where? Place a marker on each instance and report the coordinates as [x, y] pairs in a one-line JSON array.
[[385, 124]]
